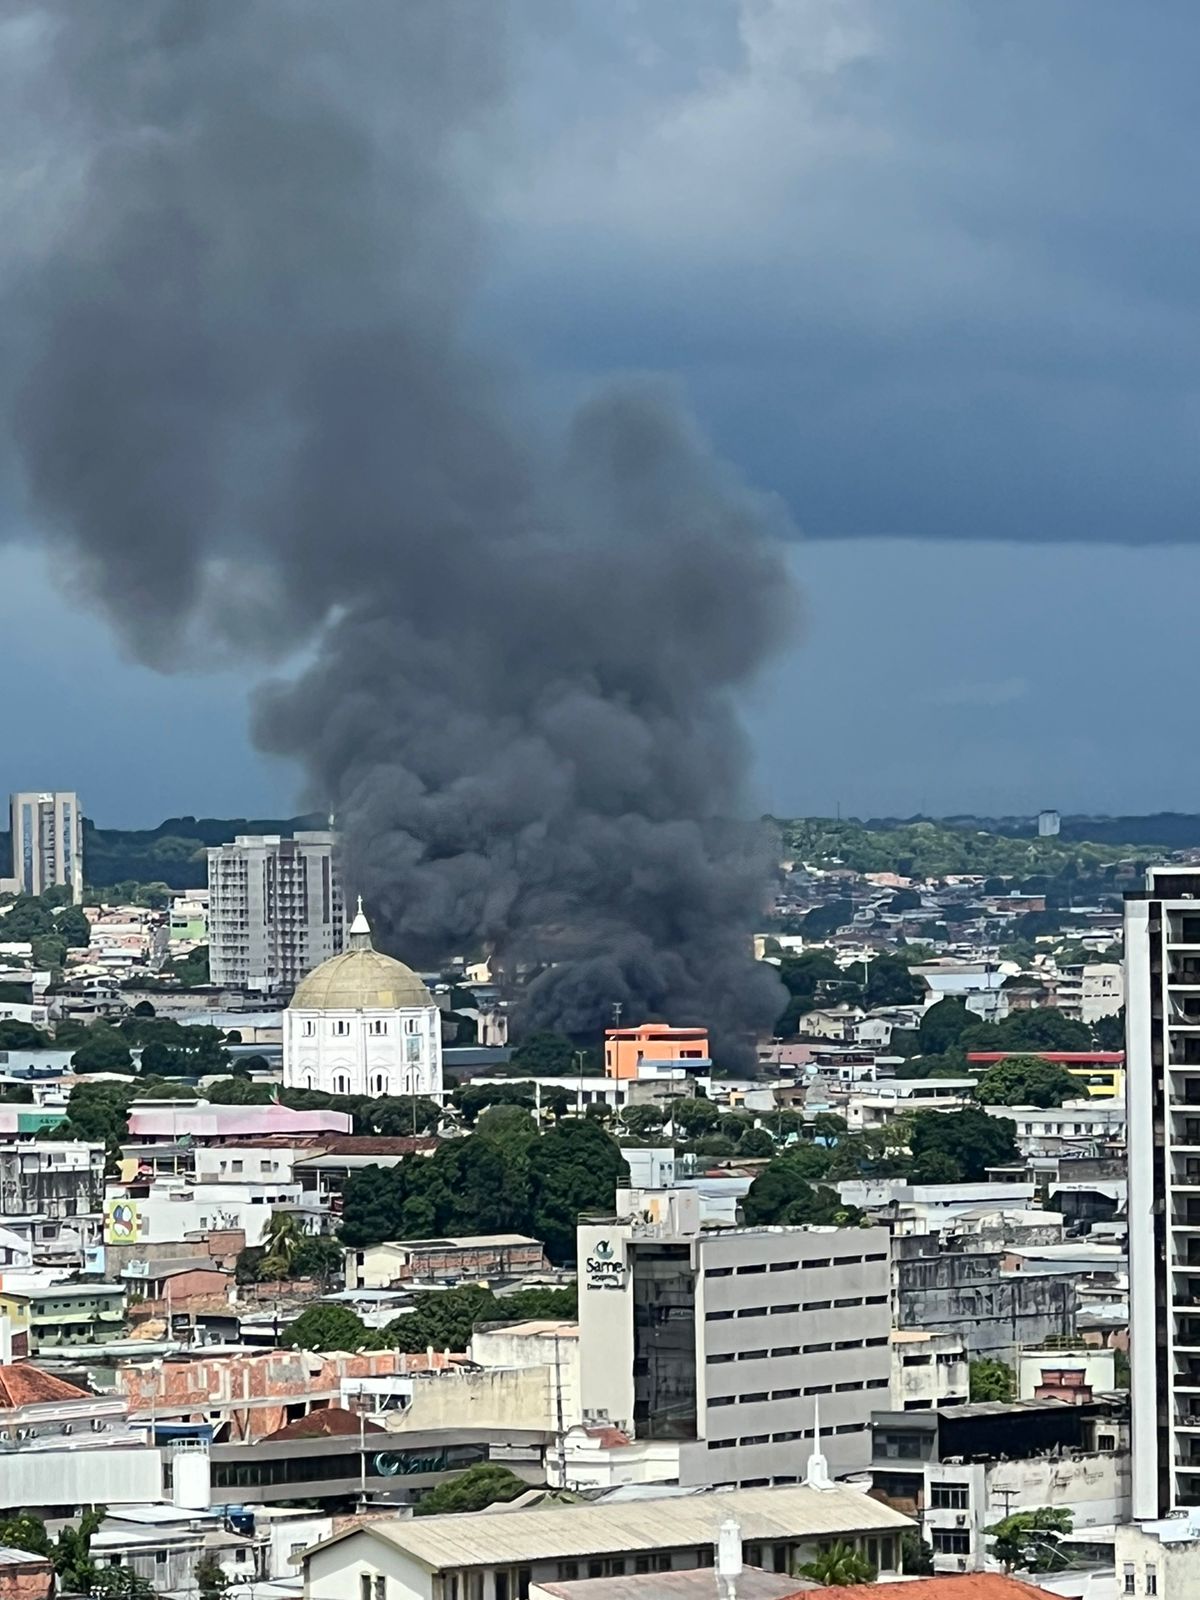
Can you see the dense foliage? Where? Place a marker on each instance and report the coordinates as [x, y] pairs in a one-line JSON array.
[[507, 1181], [1026, 1081], [487, 1484], [1030, 1539], [992, 1380]]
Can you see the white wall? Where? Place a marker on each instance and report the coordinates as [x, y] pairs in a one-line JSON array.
[[106, 1476]]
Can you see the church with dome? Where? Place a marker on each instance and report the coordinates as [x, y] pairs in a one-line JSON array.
[[362, 1023]]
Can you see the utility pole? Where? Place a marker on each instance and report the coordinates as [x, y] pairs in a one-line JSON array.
[[560, 1430]]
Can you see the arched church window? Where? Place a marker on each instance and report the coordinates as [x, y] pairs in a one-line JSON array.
[[341, 1083]]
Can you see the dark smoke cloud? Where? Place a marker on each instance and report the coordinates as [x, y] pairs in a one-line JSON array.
[[249, 417]]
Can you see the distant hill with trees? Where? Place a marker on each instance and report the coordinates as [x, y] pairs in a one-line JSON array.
[[172, 853]]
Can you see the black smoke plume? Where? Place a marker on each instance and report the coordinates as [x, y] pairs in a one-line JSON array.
[[248, 417]]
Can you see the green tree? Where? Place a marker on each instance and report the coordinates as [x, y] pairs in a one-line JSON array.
[[21, 1036], [971, 1138], [1030, 1539], [72, 926], [326, 1327], [916, 1556], [1108, 1033], [783, 1195], [839, 1566], [756, 1143], [1026, 1081], [992, 1380], [396, 1116], [24, 1531], [442, 1320], [97, 1111], [538, 1305], [281, 1242], [504, 1124], [487, 1484], [544, 1055], [821, 921], [579, 1168], [642, 1122], [890, 983], [104, 1050], [693, 1116], [48, 950], [210, 1580], [942, 1026]]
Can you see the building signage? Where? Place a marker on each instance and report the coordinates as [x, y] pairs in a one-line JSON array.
[[603, 1270]]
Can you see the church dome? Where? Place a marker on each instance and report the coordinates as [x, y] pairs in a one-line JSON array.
[[360, 979]]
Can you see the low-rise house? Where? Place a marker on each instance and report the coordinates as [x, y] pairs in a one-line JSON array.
[[963, 1470], [929, 1369], [24, 1575], [501, 1554], [75, 1314], [484, 1255]]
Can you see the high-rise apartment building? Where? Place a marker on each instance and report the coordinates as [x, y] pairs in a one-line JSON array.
[[275, 909], [47, 843], [1162, 1083], [733, 1342]]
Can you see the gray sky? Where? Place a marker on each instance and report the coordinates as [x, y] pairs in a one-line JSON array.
[[927, 273]]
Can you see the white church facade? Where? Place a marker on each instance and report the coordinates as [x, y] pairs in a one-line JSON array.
[[362, 1023]]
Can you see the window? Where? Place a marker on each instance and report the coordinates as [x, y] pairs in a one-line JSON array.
[[340, 1028], [867, 1343], [847, 1261], [785, 1394], [378, 1027], [411, 1025], [753, 1311], [881, 1256], [236, 1166], [847, 1344], [379, 1083], [780, 1311], [1130, 1582], [308, 1029], [1106, 1441], [953, 1542], [722, 1400], [758, 1394], [752, 1355], [854, 1300], [1151, 1578], [876, 1383], [819, 1388], [817, 1349], [718, 1272], [876, 1300], [816, 1305], [754, 1438], [785, 1438], [950, 1497], [820, 1261], [567, 1570], [718, 1316], [786, 1350], [746, 1272], [841, 1388], [784, 1266], [721, 1444], [364, 1586], [717, 1360], [412, 1049], [380, 1585], [341, 1083]]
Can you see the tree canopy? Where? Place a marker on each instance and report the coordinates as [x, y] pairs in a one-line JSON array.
[[327, 1327], [992, 1380], [507, 1183], [784, 1194], [1026, 1081], [970, 1139], [1030, 1539], [487, 1484]]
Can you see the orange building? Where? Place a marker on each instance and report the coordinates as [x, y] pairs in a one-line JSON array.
[[625, 1048]]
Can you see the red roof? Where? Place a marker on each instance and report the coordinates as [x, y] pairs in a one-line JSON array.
[[331, 1422], [25, 1385], [951, 1586], [1069, 1058]]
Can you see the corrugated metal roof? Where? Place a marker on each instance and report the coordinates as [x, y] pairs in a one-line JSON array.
[[10, 1556], [479, 1539]]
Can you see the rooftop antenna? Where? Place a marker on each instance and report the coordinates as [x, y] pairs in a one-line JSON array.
[[816, 1475]]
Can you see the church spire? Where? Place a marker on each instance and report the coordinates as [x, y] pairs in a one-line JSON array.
[[817, 1475], [360, 930]]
